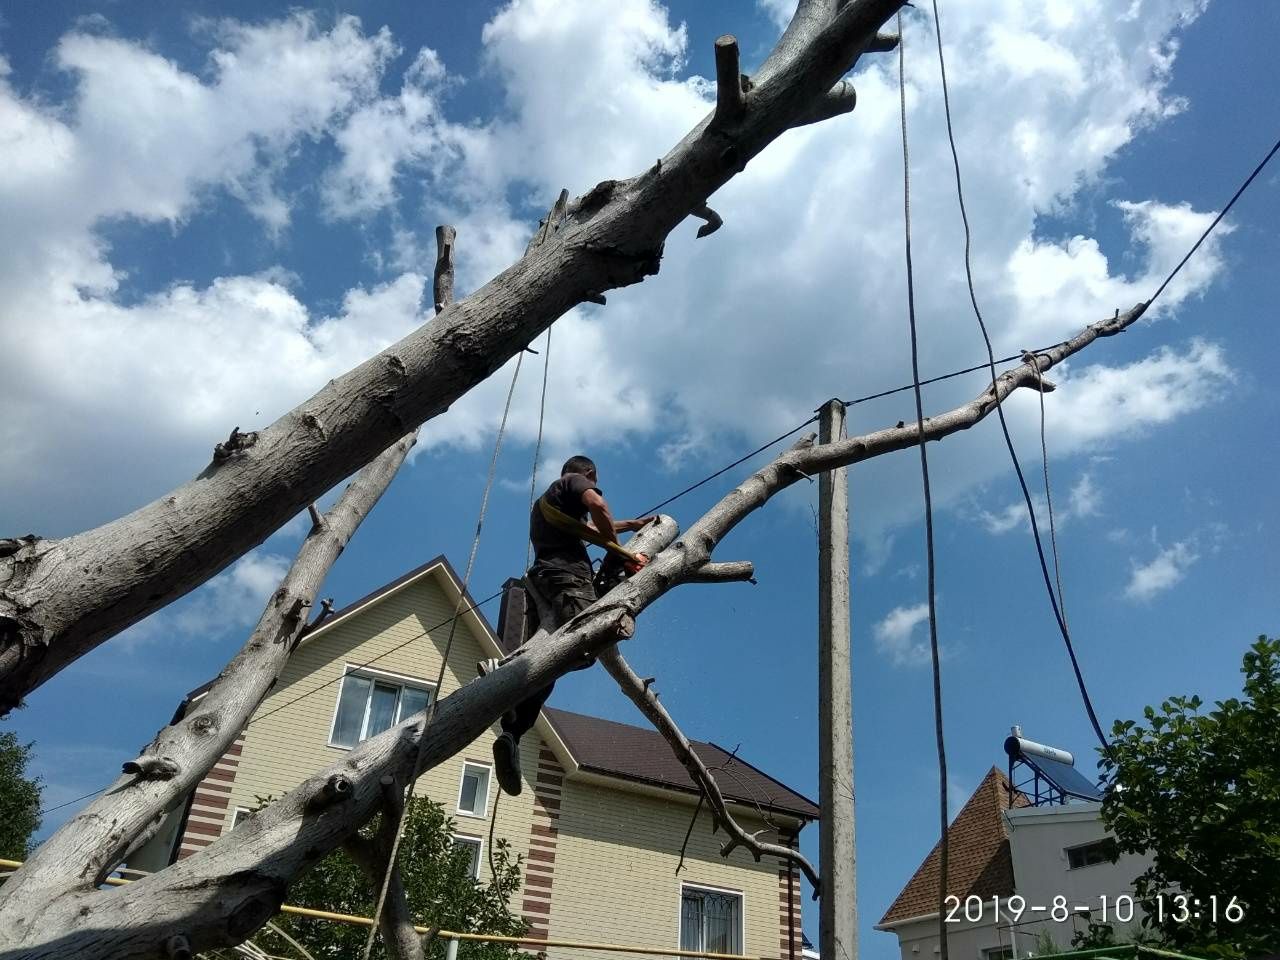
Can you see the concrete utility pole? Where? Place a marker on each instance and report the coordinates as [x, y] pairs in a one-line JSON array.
[[838, 927]]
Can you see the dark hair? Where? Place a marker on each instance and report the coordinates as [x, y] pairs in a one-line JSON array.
[[578, 464]]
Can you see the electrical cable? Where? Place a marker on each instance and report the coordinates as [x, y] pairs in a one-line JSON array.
[[430, 713], [1216, 220], [1048, 496], [935, 658], [386, 653], [1004, 426], [689, 489]]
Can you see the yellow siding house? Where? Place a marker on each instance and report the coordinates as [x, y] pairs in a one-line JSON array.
[[605, 807]]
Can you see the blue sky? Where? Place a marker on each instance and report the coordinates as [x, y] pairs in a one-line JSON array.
[[207, 214]]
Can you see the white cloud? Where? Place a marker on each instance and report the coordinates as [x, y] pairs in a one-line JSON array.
[[1164, 571], [385, 134], [231, 601], [717, 345], [898, 638], [1098, 403], [1083, 500]]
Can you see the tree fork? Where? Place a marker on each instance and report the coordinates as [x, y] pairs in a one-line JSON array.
[[52, 611], [242, 877]]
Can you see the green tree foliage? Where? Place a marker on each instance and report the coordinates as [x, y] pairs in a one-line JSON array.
[[438, 884], [19, 798], [1200, 792]]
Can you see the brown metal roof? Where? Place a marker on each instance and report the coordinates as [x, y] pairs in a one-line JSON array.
[[978, 858], [643, 756]]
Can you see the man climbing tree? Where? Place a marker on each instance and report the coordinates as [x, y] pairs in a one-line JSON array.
[[561, 573]]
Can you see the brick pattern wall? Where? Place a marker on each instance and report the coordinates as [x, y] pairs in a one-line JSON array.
[[790, 932], [209, 805], [544, 834]]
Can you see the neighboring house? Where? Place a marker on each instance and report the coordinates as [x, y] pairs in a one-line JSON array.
[[605, 806], [1041, 841]]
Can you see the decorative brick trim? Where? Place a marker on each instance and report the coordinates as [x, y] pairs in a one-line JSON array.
[[544, 834], [790, 937], [208, 812]]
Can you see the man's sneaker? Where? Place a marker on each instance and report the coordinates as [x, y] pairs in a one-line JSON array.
[[488, 666], [506, 764]]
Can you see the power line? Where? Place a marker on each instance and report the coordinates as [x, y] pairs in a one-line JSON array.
[[934, 653], [48, 810], [723, 470], [1216, 220], [1004, 426]]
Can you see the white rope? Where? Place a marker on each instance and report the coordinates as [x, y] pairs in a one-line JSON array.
[[430, 713]]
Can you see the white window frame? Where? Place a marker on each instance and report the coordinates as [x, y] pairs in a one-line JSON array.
[[468, 840], [484, 801], [236, 819], [710, 888], [402, 679]]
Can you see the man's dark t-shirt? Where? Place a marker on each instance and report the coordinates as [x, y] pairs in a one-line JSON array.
[[556, 546]]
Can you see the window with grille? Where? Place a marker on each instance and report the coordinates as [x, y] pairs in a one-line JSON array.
[[370, 703], [710, 921]]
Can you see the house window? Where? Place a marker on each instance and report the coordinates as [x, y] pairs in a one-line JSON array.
[[997, 953], [471, 844], [1100, 851], [240, 816], [473, 792], [710, 920], [369, 704]]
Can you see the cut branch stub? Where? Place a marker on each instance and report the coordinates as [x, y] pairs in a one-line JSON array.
[[443, 285], [336, 789], [152, 768], [731, 104], [714, 223], [840, 99], [236, 443]]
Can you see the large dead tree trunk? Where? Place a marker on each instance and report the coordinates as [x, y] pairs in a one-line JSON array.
[[95, 841], [224, 893], [84, 850], [61, 598]]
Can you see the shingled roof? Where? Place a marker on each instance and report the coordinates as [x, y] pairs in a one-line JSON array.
[[640, 755], [978, 859]]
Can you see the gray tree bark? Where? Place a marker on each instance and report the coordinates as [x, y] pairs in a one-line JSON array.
[[222, 894], [61, 598]]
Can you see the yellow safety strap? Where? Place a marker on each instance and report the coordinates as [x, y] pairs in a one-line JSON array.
[[567, 524]]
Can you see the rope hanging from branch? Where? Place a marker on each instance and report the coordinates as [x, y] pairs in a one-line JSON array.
[[943, 844], [441, 302]]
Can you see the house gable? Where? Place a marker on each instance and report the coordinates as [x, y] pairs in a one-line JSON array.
[[979, 862]]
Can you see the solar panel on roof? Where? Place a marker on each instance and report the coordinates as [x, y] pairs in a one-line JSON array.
[[1055, 766], [1065, 777]]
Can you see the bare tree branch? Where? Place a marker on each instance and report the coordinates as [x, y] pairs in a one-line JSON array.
[[443, 284], [84, 850], [371, 856], [229, 889], [729, 572], [643, 696], [841, 98], [730, 96], [61, 598]]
